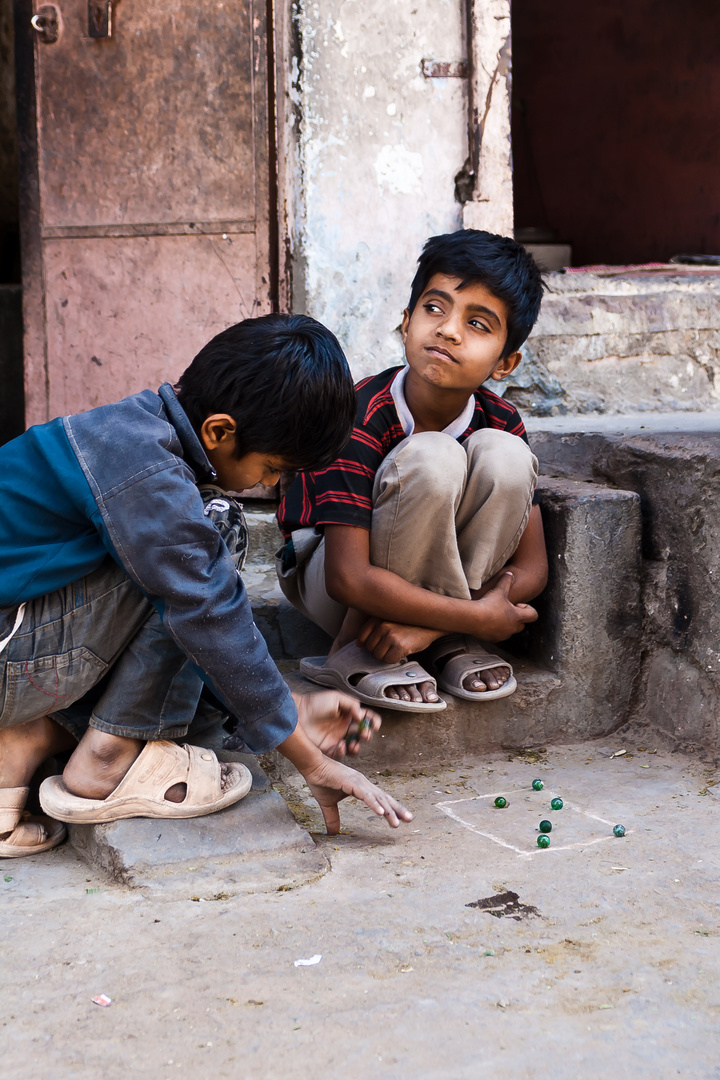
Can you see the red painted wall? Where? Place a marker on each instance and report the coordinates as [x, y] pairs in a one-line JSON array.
[[616, 125]]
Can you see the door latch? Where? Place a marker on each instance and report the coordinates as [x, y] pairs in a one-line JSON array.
[[100, 18], [46, 23]]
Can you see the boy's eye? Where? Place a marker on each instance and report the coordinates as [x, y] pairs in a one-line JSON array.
[[479, 325], [432, 308]]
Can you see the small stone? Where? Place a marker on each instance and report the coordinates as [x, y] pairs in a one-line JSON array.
[[543, 841], [500, 802], [537, 785], [545, 826], [619, 830], [556, 804]]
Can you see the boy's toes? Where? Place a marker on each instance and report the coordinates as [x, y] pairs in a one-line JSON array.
[[428, 692], [500, 675], [492, 679], [472, 682], [424, 692]]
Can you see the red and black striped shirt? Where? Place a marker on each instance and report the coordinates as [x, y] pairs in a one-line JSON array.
[[342, 493]]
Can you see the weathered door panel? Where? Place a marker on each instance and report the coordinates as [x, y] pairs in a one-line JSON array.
[[152, 161], [123, 314]]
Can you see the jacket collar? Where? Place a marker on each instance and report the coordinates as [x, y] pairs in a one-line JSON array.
[[192, 447]]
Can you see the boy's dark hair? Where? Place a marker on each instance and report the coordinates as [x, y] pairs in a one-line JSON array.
[[286, 383], [498, 262]]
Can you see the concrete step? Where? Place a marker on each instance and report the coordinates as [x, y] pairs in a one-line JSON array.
[[672, 463], [532, 716], [254, 846]]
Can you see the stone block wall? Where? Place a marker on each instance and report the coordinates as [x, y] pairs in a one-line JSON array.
[[677, 477], [623, 344]]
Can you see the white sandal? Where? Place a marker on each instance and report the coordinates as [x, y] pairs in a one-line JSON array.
[[472, 659], [355, 671]]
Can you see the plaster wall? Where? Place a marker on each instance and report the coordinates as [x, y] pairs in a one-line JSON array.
[[378, 147]]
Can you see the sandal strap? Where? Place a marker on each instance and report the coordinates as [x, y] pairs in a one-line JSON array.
[[409, 673], [12, 804], [458, 668], [162, 764], [28, 834]]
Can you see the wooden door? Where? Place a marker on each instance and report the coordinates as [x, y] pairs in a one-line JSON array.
[[146, 191]]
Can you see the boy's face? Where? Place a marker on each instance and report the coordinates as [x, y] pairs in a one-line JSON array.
[[455, 337], [234, 473]]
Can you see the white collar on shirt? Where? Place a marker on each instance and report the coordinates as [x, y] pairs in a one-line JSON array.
[[455, 429]]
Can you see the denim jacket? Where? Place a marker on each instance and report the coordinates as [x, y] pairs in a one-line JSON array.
[[122, 479]]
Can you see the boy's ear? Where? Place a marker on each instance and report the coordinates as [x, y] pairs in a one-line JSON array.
[[217, 429], [506, 366], [404, 325]]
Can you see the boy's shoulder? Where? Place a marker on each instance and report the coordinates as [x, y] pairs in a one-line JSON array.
[[375, 403], [118, 444], [373, 385], [499, 413]]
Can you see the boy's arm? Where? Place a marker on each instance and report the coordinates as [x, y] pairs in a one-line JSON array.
[[522, 578], [330, 782], [351, 579]]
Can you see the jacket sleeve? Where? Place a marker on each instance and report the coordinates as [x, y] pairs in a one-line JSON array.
[[153, 525]]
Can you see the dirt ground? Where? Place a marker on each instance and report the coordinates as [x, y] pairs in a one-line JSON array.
[[599, 957]]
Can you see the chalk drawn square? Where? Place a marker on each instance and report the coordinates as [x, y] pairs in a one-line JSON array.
[[516, 826]]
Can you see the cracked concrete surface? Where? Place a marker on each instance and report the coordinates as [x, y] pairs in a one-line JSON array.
[[617, 974]]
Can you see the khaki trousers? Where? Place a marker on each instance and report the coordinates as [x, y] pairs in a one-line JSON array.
[[446, 516]]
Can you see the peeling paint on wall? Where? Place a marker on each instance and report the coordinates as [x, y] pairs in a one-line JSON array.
[[378, 150], [399, 170]]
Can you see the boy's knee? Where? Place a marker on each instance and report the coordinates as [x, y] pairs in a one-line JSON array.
[[438, 460], [502, 455]]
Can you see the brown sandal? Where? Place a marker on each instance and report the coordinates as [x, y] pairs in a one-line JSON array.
[[28, 834], [141, 792]]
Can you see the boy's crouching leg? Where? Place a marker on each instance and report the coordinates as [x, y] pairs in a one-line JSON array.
[[501, 479], [417, 493]]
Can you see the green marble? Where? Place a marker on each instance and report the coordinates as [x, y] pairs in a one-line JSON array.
[[619, 830], [500, 802], [543, 840], [545, 826], [537, 785], [556, 804]]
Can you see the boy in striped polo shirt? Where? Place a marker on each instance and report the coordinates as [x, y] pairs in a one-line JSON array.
[[422, 537]]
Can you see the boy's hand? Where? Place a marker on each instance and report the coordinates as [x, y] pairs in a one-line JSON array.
[[498, 617], [336, 723], [392, 642], [330, 782]]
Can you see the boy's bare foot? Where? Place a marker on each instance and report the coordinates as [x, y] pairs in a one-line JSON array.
[[101, 761], [24, 747]]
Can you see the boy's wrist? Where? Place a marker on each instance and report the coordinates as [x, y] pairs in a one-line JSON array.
[[300, 751]]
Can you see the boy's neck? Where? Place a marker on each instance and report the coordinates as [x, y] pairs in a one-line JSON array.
[[432, 408]]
